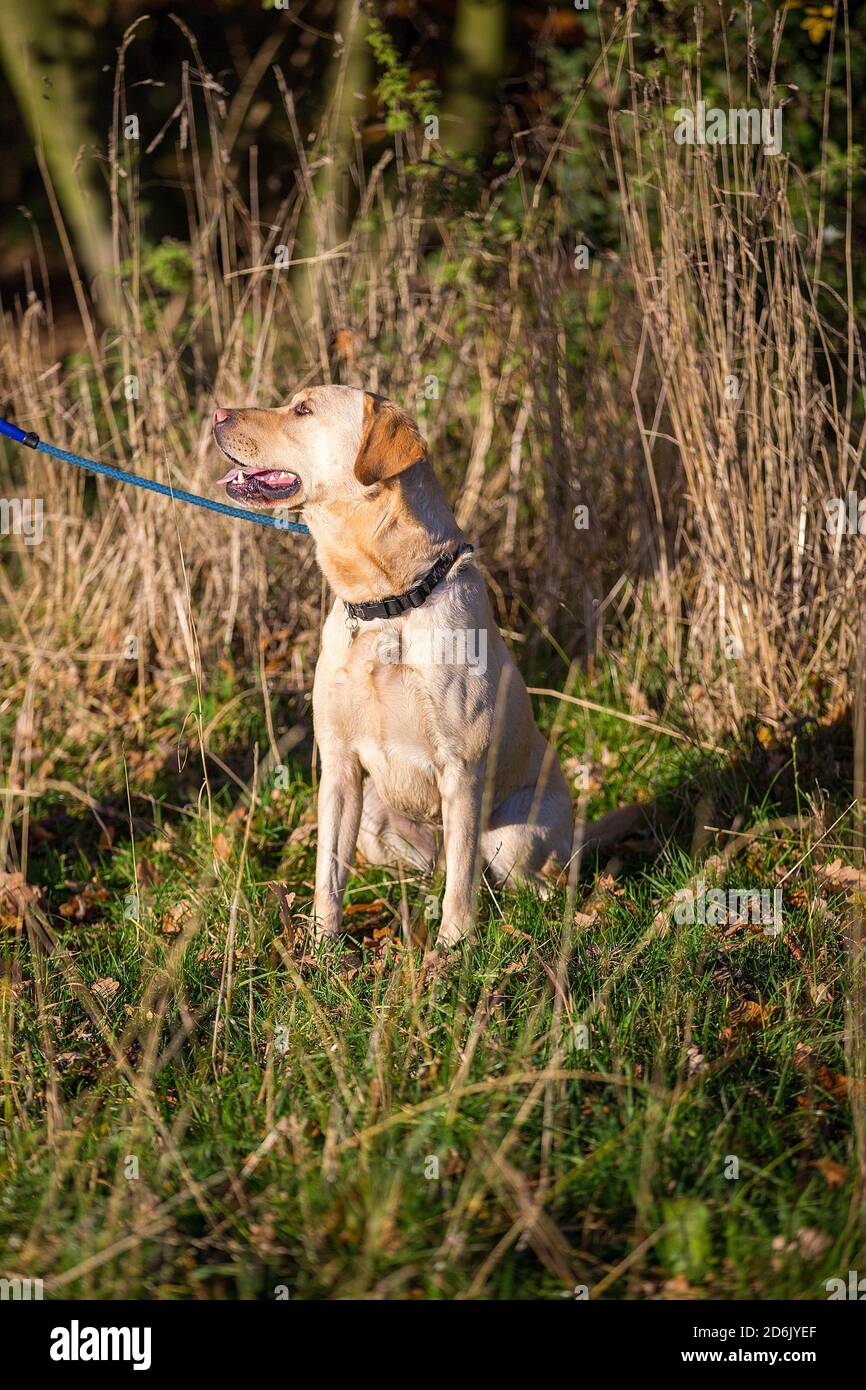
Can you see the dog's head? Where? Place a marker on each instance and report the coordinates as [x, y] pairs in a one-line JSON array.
[[330, 443]]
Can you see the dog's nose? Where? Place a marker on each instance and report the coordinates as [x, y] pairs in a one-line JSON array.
[[220, 415]]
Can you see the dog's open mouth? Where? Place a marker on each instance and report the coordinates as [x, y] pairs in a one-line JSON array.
[[261, 485]]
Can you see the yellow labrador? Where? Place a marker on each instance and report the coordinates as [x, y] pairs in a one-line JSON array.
[[414, 685]]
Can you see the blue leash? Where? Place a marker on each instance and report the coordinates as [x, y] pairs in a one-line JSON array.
[[121, 476]]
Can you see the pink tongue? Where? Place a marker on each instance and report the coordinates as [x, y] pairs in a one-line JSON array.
[[270, 477], [275, 478]]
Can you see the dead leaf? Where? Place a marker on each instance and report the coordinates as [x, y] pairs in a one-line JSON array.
[[837, 1084], [16, 896], [819, 994], [515, 966], [746, 1017], [146, 873], [285, 899], [793, 947], [843, 878], [514, 931], [174, 918], [105, 989], [834, 1174], [82, 906], [222, 848]]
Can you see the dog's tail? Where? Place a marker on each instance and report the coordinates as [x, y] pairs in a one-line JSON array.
[[610, 831], [640, 818]]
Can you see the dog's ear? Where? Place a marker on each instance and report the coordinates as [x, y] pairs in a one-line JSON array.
[[390, 441]]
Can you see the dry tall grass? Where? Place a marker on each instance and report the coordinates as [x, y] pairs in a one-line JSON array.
[[757, 391], [706, 530]]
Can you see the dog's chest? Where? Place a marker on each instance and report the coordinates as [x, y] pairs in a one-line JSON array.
[[384, 714]]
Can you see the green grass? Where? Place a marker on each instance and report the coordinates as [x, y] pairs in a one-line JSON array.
[[229, 1118]]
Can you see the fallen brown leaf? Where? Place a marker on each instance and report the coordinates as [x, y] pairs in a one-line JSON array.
[[746, 1017], [834, 1174], [174, 918], [842, 877], [16, 896], [222, 848], [514, 931], [105, 989], [285, 899], [837, 1084], [82, 906]]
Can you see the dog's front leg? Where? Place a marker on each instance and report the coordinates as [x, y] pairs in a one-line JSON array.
[[462, 792], [340, 800]]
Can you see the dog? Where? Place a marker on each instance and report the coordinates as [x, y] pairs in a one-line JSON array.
[[425, 746]]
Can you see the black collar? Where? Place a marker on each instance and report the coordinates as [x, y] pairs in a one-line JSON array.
[[413, 598]]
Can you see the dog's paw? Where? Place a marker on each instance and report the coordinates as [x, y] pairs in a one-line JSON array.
[[323, 931], [450, 935]]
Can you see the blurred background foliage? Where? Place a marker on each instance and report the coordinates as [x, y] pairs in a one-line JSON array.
[[499, 75], [431, 171]]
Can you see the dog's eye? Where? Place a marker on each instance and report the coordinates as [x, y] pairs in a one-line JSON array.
[[302, 408]]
